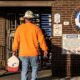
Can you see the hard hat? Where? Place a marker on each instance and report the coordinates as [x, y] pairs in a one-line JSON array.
[[28, 14]]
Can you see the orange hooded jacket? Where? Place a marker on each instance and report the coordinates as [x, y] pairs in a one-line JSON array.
[[26, 39]]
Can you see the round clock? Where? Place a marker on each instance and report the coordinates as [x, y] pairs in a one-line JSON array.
[[77, 19]]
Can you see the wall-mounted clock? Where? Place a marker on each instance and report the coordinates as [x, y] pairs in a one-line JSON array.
[[77, 20]]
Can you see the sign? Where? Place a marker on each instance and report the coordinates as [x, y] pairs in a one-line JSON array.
[[77, 20], [57, 18], [57, 30], [46, 24], [70, 41], [66, 23]]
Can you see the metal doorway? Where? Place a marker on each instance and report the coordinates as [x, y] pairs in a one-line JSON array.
[[43, 20], [13, 22]]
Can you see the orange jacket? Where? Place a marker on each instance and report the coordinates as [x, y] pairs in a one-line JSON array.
[[26, 39]]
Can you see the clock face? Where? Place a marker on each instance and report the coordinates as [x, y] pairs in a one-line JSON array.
[[77, 20]]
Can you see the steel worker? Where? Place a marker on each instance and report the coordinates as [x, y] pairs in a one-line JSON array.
[[26, 39]]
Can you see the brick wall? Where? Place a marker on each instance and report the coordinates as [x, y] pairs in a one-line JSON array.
[[2, 41], [2, 31], [67, 10], [2, 35]]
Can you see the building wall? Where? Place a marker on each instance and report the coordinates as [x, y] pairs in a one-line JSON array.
[[2, 40], [67, 10], [2, 31], [25, 3]]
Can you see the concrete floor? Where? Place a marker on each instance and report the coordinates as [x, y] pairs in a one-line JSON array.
[[42, 75]]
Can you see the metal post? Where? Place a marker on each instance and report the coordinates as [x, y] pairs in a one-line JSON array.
[[68, 65]]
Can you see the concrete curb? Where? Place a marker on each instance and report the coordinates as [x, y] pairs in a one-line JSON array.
[[5, 73]]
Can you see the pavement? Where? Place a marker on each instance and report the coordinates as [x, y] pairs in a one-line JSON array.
[[45, 74], [42, 74]]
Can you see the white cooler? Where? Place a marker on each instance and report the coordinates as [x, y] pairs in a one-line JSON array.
[[13, 64]]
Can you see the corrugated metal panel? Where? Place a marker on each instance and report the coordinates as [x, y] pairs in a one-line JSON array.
[[2, 41], [2, 31]]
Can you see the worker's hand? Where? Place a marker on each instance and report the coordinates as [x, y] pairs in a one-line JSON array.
[[72, 50], [78, 49], [13, 53], [45, 54]]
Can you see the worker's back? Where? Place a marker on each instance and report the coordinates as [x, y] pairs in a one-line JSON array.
[[27, 36], [26, 40]]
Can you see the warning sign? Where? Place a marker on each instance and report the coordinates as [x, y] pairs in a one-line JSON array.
[[70, 41]]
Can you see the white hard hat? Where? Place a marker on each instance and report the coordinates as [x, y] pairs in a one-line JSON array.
[[28, 14]]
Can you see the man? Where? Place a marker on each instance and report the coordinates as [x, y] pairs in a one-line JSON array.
[[26, 39]]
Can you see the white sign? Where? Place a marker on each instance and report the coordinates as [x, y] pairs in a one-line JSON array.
[[57, 18], [70, 41], [66, 22], [57, 30]]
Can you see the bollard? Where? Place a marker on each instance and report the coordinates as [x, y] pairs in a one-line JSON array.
[[68, 65]]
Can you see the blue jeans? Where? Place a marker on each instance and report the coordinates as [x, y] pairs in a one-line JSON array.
[[25, 64]]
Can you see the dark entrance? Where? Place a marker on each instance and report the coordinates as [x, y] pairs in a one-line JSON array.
[[13, 18]]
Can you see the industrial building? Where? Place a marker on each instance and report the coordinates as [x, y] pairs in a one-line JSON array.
[[60, 19]]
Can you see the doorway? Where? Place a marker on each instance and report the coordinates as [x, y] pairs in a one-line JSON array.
[[14, 18]]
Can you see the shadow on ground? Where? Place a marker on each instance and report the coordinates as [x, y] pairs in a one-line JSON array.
[[46, 78]]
